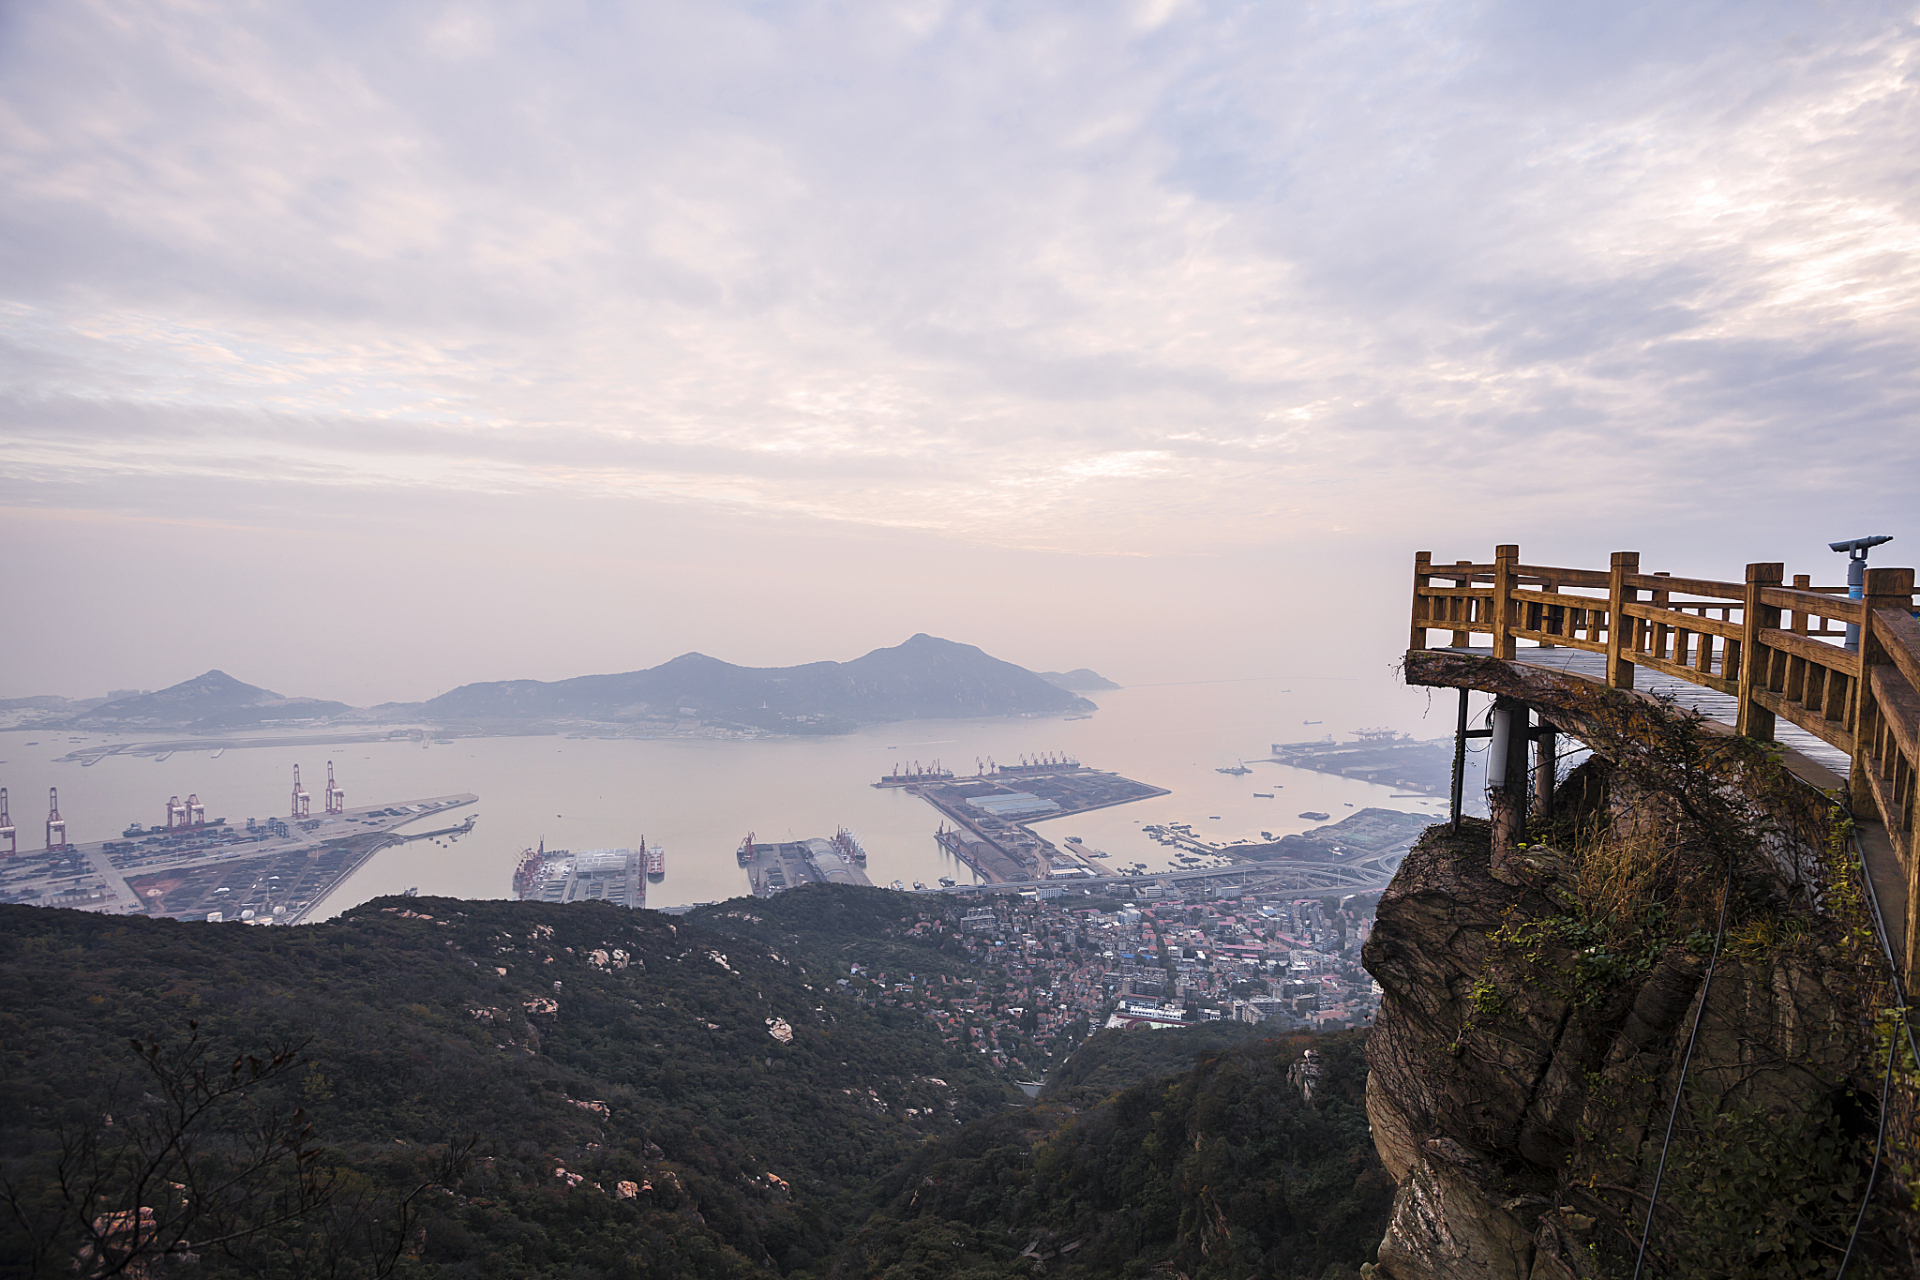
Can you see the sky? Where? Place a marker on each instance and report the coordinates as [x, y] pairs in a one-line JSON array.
[[362, 350]]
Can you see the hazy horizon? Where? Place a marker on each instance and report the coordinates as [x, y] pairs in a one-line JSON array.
[[367, 351]]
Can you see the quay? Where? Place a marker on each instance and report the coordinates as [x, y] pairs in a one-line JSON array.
[[1303, 877], [991, 812], [271, 871], [776, 866], [1829, 674]]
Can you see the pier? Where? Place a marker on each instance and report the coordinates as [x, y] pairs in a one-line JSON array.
[[1829, 673], [270, 871], [776, 866], [990, 813]]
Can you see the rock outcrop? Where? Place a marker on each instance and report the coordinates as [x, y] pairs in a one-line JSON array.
[[1534, 1028]]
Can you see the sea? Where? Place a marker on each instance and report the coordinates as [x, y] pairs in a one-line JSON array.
[[698, 797]]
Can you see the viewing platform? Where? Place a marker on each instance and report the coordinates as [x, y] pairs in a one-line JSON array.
[[1834, 679]]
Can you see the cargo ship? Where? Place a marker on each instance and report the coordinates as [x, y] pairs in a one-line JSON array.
[[849, 846], [656, 859], [527, 870]]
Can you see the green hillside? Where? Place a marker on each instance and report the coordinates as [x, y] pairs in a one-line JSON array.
[[634, 1095], [1224, 1170]]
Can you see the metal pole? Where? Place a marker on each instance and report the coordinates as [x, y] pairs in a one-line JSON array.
[[1459, 759], [1497, 755], [1856, 590]]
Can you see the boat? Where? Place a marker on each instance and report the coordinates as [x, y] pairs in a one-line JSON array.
[[745, 853], [849, 846], [1263, 795], [919, 887], [1236, 770], [1311, 722], [1315, 815], [946, 882], [527, 870], [656, 859], [900, 885]]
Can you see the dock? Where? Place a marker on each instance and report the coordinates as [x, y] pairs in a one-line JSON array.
[[268, 871], [777, 866], [990, 813]]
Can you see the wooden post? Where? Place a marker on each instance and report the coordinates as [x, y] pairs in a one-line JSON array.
[[1801, 582], [1505, 557], [1756, 660], [1659, 632], [1890, 589], [1885, 589], [1461, 639], [1422, 606], [1620, 628]]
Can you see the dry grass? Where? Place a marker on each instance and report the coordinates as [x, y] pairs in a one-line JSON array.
[[1624, 880]]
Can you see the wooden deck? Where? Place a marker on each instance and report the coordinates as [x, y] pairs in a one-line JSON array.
[[1710, 703], [1761, 655]]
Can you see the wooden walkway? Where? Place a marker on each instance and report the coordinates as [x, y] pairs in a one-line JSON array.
[[1710, 703], [1834, 677]]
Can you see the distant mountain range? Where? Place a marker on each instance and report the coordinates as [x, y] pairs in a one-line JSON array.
[[926, 678], [211, 701], [1078, 680]]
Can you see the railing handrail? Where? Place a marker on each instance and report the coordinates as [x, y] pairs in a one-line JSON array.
[[1770, 648]]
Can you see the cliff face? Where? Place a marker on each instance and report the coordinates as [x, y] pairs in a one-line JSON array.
[[1533, 1027]]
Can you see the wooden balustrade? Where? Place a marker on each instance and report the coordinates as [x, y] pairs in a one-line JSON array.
[[1771, 646]]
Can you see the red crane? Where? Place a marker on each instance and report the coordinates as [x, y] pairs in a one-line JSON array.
[[196, 812], [6, 826], [56, 825], [176, 813], [302, 802]]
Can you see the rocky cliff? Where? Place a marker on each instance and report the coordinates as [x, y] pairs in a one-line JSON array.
[[1536, 1024]]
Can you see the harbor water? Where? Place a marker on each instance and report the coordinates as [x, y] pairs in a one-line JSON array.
[[698, 797]]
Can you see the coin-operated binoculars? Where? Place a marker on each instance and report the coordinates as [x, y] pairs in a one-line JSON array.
[[1856, 549]]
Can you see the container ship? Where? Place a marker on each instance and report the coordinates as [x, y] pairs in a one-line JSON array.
[[656, 859]]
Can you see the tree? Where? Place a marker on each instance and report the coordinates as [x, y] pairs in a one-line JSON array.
[[196, 1161]]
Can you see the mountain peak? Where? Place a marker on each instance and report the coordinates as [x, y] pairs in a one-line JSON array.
[[924, 677]]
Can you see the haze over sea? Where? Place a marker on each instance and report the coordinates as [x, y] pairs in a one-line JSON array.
[[698, 797]]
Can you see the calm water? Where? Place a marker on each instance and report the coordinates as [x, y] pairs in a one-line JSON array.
[[698, 798]]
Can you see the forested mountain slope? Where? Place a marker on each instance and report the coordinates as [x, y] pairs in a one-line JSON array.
[[506, 1089], [1228, 1169], [616, 1045]]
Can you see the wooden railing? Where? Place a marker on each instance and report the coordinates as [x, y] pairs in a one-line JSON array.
[[1774, 647]]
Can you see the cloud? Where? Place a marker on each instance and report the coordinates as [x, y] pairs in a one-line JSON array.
[[1035, 275]]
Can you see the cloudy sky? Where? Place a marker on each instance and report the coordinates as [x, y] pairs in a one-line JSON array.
[[363, 349]]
